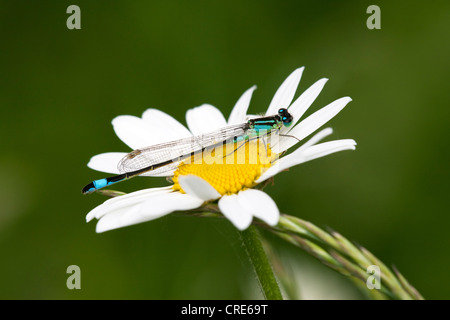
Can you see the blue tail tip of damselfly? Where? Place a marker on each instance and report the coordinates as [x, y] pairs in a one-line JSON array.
[[95, 185], [89, 188], [101, 183]]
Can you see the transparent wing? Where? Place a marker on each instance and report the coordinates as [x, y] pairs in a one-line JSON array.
[[175, 151]]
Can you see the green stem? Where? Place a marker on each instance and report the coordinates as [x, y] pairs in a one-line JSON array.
[[261, 265], [331, 248]]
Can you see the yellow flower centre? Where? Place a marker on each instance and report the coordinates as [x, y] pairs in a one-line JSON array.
[[228, 168]]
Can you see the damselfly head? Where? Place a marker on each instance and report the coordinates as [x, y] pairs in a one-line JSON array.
[[285, 117]]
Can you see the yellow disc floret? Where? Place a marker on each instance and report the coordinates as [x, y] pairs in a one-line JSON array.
[[229, 168]]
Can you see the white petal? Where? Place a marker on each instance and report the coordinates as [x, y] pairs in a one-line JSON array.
[[275, 168], [106, 162], [326, 148], [164, 127], [234, 212], [260, 205], [238, 114], [205, 119], [134, 131], [153, 208], [315, 139], [197, 187], [285, 93], [166, 203], [125, 201], [314, 121], [303, 155], [299, 107], [113, 220]]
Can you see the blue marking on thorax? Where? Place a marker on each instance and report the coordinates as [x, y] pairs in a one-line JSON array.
[[263, 127], [266, 124]]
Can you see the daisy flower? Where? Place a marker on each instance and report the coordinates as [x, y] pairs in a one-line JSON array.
[[231, 185]]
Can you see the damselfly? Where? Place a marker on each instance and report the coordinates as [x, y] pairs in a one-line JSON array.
[[153, 160]]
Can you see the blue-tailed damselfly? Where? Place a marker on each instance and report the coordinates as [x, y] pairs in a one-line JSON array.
[[167, 156]]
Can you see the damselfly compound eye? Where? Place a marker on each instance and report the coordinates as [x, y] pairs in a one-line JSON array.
[[285, 116]]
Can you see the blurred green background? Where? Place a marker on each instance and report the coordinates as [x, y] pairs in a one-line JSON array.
[[60, 89]]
